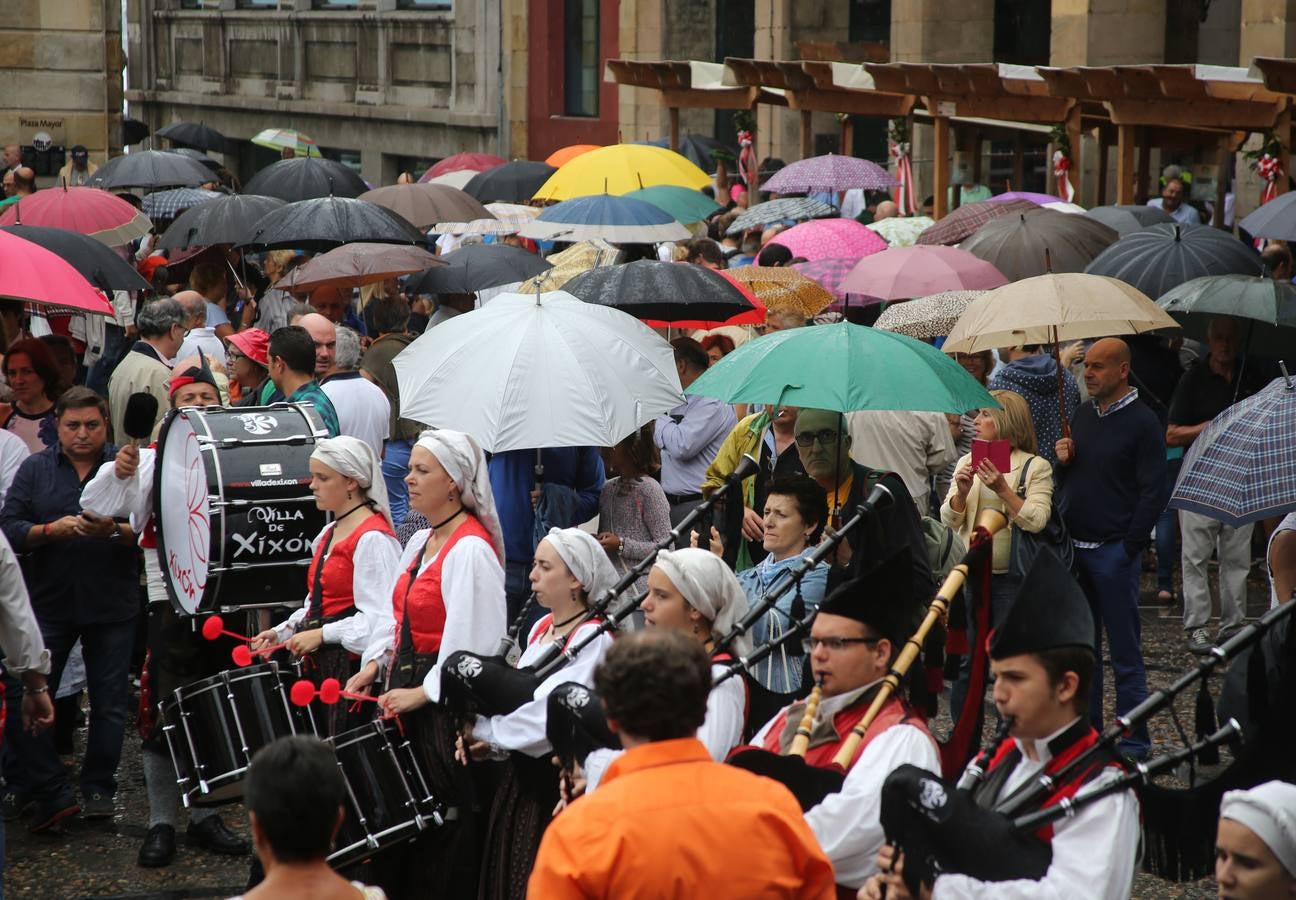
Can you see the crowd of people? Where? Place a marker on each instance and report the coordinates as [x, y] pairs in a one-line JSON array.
[[437, 555]]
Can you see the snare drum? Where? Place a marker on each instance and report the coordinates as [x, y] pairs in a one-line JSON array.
[[213, 727], [232, 502], [388, 800]]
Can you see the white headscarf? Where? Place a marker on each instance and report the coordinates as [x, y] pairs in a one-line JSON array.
[[465, 463], [585, 557], [1270, 811], [354, 458], [710, 587]]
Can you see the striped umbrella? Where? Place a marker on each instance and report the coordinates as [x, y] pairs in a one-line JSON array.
[[927, 317], [965, 220], [831, 237], [831, 172], [287, 139], [1239, 469], [785, 210], [902, 231], [781, 288], [169, 204], [509, 217]]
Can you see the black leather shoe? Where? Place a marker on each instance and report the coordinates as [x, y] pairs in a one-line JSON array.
[[159, 847], [213, 834]]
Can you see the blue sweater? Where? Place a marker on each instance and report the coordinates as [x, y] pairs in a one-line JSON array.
[[512, 476], [1114, 488]]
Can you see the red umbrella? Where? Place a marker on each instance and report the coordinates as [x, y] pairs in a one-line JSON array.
[[85, 210], [754, 316], [463, 162], [902, 273], [35, 275]]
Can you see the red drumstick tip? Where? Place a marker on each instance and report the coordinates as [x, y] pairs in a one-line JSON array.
[[213, 627], [330, 691], [302, 693], [242, 655]]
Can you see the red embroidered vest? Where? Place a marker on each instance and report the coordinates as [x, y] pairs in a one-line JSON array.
[[337, 582], [423, 601], [894, 712]]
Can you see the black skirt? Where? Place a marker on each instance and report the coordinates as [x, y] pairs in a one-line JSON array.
[[522, 808]]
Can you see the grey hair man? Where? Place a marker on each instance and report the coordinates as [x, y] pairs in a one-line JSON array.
[[147, 367], [362, 406]]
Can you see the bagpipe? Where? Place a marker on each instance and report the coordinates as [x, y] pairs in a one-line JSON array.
[[810, 784], [941, 829], [473, 684]]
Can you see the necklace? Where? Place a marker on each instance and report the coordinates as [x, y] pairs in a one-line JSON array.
[[448, 518], [339, 519]]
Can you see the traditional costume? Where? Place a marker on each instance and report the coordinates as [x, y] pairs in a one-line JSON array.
[[453, 601], [846, 822], [708, 586], [528, 790], [347, 581]]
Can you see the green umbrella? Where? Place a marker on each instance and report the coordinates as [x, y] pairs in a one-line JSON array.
[[682, 204], [1268, 306], [843, 367]]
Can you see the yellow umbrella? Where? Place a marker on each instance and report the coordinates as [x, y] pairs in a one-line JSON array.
[[1047, 309], [620, 169], [578, 258], [782, 288]]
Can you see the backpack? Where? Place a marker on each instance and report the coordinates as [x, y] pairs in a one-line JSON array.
[[945, 547]]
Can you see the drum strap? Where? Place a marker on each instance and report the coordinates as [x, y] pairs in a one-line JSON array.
[[406, 658]]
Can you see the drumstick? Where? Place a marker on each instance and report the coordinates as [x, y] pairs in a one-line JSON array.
[[330, 692], [214, 626], [242, 656]]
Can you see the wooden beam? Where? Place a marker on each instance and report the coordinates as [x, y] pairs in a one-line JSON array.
[[859, 103], [1125, 164], [807, 137], [1194, 113], [674, 127], [729, 98], [1013, 109], [940, 166]]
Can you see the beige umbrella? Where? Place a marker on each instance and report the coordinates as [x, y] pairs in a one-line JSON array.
[[1048, 309], [579, 257], [509, 217]]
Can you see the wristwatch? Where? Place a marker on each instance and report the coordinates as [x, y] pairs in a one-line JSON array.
[[116, 532]]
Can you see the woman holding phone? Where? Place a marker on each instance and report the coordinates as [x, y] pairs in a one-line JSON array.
[[1024, 493]]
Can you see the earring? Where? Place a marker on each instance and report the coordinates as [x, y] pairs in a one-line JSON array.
[[348, 495]]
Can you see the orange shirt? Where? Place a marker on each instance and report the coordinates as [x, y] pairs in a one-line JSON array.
[[668, 822]]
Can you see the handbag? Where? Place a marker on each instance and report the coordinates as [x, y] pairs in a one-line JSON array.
[[1053, 536]]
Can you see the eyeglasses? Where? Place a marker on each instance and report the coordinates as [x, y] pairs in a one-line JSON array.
[[825, 437], [834, 644], [232, 356]]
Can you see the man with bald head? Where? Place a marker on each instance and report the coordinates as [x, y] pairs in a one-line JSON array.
[[324, 333], [24, 181], [335, 305], [887, 209], [1111, 488]]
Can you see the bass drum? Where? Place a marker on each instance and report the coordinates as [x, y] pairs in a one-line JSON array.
[[232, 503]]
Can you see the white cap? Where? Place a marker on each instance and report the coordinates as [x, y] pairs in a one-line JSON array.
[[1270, 811]]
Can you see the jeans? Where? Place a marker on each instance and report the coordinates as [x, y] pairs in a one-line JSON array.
[[39, 774], [1202, 538], [517, 590], [1109, 578], [1167, 533], [115, 347], [395, 466]]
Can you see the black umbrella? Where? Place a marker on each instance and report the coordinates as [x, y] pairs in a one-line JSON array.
[[196, 156], [305, 178], [150, 169], [97, 263], [665, 291], [226, 220], [328, 222], [1162, 257], [700, 150], [477, 267], [193, 134], [1128, 219], [133, 131], [1275, 220], [514, 182]]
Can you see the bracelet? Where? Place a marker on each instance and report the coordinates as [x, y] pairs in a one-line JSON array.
[[43, 689]]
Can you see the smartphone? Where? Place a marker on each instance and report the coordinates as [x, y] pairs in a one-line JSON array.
[[998, 452]]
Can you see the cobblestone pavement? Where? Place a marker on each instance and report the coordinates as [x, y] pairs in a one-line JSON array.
[[97, 859]]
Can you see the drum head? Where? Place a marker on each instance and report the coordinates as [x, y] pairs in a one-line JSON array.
[[184, 521]]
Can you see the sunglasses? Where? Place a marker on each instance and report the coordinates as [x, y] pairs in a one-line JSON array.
[[824, 437]]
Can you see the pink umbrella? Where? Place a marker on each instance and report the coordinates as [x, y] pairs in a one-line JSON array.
[[463, 162], [35, 275], [831, 172], [829, 271], [103, 216], [1031, 196], [831, 237], [901, 273]]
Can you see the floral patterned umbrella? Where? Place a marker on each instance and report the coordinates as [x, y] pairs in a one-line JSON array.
[[902, 231], [831, 237], [782, 288], [831, 172], [927, 317]]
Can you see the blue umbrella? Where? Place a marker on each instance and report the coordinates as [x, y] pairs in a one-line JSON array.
[[620, 220], [1240, 468]]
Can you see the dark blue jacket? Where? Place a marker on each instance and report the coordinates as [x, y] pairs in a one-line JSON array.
[[512, 475]]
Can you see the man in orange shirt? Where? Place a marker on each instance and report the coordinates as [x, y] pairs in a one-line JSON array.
[[667, 821]]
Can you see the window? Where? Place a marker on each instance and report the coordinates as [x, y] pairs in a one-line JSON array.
[[1023, 31], [581, 58], [253, 4], [424, 4], [335, 4]]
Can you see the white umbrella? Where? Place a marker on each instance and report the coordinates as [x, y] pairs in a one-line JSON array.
[[539, 370]]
